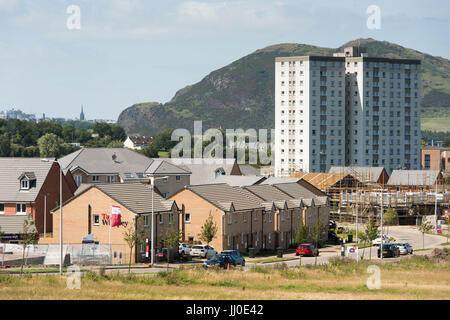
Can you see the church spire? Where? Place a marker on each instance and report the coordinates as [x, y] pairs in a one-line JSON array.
[[82, 118]]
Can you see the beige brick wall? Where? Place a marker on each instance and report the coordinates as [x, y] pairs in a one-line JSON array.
[[76, 226]]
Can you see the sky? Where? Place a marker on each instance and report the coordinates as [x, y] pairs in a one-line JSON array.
[[131, 51]]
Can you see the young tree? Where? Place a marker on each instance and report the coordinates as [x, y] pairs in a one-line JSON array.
[[172, 240], [209, 230], [28, 237], [424, 227], [389, 217], [371, 233], [317, 232], [133, 236], [301, 236]]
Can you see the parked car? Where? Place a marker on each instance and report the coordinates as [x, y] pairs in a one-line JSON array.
[[405, 248], [237, 256], [162, 254], [221, 261], [202, 251], [377, 241], [390, 250], [184, 249], [333, 238], [307, 249]]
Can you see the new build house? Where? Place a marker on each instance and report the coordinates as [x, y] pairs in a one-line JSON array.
[[30, 187], [119, 165], [243, 220], [88, 214]]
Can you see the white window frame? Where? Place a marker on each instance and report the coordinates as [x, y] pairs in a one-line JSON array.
[[78, 180], [95, 178], [96, 216], [146, 221], [185, 216], [2, 211], [161, 219], [24, 184], [178, 178], [21, 213]]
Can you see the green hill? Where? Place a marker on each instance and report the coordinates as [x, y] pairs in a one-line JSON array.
[[241, 94]]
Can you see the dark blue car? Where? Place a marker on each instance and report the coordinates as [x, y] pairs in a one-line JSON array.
[[240, 260], [221, 261]]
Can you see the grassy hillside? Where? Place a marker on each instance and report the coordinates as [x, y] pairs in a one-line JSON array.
[[241, 94]]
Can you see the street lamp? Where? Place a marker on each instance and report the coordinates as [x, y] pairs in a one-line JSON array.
[[152, 186]]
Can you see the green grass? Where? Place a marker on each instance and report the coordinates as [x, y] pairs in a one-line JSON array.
[[441, 123], [163, 154], [417, 250], [268, 260]]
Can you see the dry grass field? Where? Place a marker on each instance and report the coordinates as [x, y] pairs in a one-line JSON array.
[[412, 278]]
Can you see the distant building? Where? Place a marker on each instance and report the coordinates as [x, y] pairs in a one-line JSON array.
[[348, 109], [436, 158], [137, 142]]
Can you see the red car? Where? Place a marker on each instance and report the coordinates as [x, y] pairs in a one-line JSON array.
[[307, 249]]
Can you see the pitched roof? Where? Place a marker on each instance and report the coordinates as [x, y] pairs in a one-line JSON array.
[[239, 181], [120, 161], [296, 191], [275, 195], [413, 177], [204, 170], [136, 197], [223, 196], [363, 174], [248, 170], [276, 180], [13, 224], [321, 181], [13, 168], [140, 140]]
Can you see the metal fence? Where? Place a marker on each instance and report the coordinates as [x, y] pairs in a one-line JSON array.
[[50, 254]]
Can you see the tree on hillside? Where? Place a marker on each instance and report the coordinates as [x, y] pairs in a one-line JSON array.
[[446, 143], [133, 236], [389, 217], [209, 230], [424, 228], [28, 237], [118, 133], [50, 145], [5, 145], [103, 129], [371, 233]]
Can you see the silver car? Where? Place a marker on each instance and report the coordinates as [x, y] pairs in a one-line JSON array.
[[405, 248], [203, 251]]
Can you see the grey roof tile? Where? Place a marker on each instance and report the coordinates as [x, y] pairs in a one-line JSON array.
[[413, 177], [13, 168]]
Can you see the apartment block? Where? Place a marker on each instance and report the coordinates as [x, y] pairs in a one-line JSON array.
[[348, 109]]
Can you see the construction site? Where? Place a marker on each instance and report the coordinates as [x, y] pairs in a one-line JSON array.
[[365, 192]]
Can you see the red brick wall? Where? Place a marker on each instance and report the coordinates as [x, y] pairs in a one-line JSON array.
[[51, 188]]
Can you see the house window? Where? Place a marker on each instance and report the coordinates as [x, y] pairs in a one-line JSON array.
[[165, 179], [190, 238], [145, 221], [178, 178], [228, 241], [161, 221], [2, 208], [21, 209], [230, 218], [170, 218], [111, 179], [96, 220], [78, 180], [95, 178], [164, 195], [140, 175], [245, 216], [187, 217], [128, 175], [270, 237], [24, 185]]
